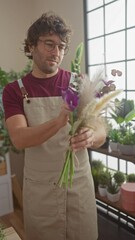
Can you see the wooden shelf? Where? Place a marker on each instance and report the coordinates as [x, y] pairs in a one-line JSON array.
[[116, 205], [115, 154]]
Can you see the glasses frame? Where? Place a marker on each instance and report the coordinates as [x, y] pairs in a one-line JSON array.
[[64, 50]]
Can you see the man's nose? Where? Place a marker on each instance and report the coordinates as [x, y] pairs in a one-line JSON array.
[[56, 50]]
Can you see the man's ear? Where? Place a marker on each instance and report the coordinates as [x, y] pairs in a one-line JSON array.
[[31, 48]]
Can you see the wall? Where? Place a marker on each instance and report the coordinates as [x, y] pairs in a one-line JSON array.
[[17, 15]]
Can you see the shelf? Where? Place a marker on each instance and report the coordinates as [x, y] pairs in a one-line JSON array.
[[115, 154], [116, 205]]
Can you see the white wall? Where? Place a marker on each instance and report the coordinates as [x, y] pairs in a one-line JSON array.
[[17, 15]]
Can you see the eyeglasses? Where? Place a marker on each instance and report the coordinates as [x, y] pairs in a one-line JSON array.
[[50, 46]]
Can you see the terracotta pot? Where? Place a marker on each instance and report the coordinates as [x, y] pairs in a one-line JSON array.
[[128, 196]]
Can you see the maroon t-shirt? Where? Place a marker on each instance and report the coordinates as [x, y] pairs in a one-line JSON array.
[[35, 87]]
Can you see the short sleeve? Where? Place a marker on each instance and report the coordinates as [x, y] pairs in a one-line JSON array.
[[12, 100]]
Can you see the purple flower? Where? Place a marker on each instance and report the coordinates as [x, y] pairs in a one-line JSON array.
[[70, 97]]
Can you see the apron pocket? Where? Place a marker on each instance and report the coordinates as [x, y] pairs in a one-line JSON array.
[[40, 198]]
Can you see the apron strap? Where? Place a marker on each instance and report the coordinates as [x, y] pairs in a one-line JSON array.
[[23, 90]]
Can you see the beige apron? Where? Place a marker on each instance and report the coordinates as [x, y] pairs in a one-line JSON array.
[[51, 212]]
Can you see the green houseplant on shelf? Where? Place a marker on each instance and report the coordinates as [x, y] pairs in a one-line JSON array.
[[130, 177], [127, 139], [119, 178], [114, 135], [96, 167], [114, 186], [123, 114], [103, 180]]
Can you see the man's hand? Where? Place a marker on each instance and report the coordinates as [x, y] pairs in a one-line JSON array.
[[84, 139]]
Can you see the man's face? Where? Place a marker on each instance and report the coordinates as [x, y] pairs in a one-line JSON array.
[[48, 54]]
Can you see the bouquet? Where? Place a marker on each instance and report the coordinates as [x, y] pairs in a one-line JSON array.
[[87, 101]]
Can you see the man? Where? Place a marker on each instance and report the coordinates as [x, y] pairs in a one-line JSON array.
[[37, 121]]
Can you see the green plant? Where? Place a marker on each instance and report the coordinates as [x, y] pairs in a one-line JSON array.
[[119, 177], [104, 178], [124, 111], [5, 78], [127, 134], [131, 177], [76, 63], [113, 187], [2, 234], [96, 167], [114, 135]]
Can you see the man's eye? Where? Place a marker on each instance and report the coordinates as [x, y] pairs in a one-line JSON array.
[[50, 45]]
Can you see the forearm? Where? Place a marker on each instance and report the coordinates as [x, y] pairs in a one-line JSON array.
[[24, 137]]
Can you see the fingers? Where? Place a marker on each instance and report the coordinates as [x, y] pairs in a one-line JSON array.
[[84, 139]]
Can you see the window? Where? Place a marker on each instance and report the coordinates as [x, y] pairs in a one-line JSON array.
[[110, 38], [110, 42]]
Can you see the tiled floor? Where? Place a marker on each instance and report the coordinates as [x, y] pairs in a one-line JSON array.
[[109, 230]]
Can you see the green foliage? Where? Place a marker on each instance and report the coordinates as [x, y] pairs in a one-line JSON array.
[[114, 135], [124, 111], [113, 187], [75, 64], [119, 177], [2, 234], [13, 75], [127, 135], [5, 78], [96, 167], [104, 178], [131, 177]]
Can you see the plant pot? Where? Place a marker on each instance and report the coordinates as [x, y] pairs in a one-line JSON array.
[[113, 197], [128, 196], [102, 191], [127, 149], [113, 146]]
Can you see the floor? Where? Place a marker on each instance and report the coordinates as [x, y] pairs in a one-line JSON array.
[[108, 230]]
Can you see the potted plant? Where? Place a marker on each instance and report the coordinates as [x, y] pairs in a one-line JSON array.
[[113, 191], [127, 139], [114, 135], [131, 177], [96, 167], [114, 186], [103, 179], [123, 114], [119, 177]]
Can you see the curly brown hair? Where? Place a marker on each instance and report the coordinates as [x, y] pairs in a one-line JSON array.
[[48, 23]]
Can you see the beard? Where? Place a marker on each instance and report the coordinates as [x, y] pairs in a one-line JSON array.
[[49, 66]]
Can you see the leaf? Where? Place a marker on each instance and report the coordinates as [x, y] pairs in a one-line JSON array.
[[79, 52], [130, 116]]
